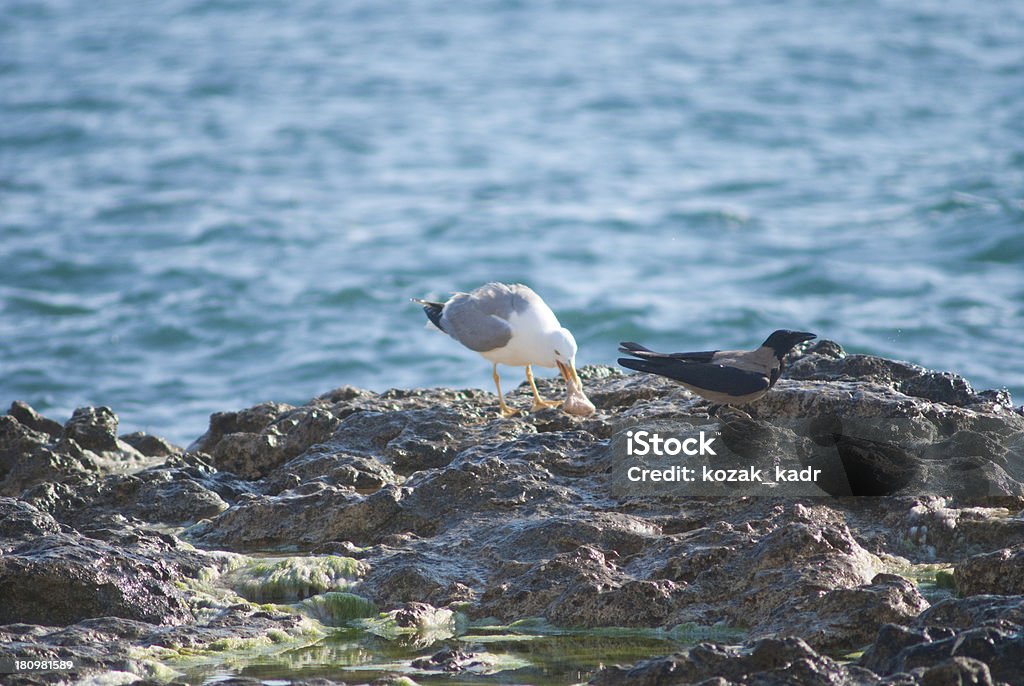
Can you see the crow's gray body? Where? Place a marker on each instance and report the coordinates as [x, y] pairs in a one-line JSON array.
[[725, 377]]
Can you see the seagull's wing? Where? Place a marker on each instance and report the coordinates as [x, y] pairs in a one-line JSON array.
[[479, 320], [640, 351], [710, 377]]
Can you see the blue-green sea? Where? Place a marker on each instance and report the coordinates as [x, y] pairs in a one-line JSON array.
[[205, 204]]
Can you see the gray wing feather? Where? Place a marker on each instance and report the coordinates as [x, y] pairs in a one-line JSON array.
[[478, 320]]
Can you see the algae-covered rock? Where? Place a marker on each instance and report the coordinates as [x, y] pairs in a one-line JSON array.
[[337, 608], [274, 580]]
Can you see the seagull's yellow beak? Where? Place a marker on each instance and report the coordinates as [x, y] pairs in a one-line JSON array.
[[568, 372]]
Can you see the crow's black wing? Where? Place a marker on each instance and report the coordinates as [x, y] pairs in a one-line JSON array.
[[711, 377], [637, 350]]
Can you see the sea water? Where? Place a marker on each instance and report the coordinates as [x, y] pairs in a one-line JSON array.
[[205, 204]]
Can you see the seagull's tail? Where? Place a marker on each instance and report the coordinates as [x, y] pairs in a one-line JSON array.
[[433, 310]]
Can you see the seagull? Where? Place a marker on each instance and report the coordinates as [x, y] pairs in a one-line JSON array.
[[510, 324], [725, 377]]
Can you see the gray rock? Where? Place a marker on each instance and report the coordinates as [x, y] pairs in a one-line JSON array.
[[20, 521], [768, 661], [93, 428], [1000, 573], [958, 671], [27, 416], [149, 445], [59, 579]]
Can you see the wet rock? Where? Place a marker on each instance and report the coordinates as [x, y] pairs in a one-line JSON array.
[[422, 616], [334, 468], [20, 521], [1000, 573], [111, 644], [93, 428], [59, 579], [828, 362], [1001, 649], [448, 660], [958, 671], [27, 416], [768, 661], [413, 577], [964, 613], [583, 587], [149, 445], [847, 617], [937, 529], [304, 517], [251, 442], [29, 457]]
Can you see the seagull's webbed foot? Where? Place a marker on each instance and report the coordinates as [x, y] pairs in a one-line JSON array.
[[539, 403]]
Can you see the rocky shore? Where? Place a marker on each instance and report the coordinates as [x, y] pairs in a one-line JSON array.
[[412, 510]]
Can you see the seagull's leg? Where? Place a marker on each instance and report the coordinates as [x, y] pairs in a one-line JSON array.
[[506, 411], [539, 403]]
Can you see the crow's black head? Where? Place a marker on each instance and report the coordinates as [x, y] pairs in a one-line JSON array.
[[783, 340]]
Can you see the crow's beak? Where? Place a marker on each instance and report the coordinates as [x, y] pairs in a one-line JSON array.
[[805, 336]]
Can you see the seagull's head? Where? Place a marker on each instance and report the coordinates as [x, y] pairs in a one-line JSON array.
[[563, 349]]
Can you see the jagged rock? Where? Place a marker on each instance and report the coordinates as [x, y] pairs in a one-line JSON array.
[[334, 468], [845, 617], [149, 445], [448, 660], [27, 416], [898, 649], [303, 517], [958, 671], [20, 521], [448, 504], [420, 616], [825, 361], [93, 428], [57, 579], [964, 613], [1000, 573], [765, 662], [29, 457]]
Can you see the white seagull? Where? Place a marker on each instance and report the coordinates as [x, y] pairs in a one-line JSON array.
[[512, 325]]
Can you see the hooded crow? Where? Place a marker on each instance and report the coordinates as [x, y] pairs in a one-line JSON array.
[[725, 377]]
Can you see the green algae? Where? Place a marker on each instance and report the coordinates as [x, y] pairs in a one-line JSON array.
[[293, 579], [335, 608], [944, 579], [934, 581], [503, 655]]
